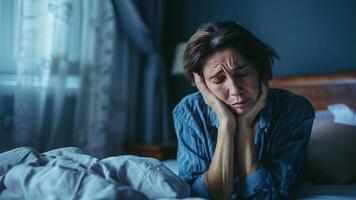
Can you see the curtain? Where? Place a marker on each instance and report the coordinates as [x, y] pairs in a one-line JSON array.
[[145, 83], [89, 74], [65, 48], [96, 62]]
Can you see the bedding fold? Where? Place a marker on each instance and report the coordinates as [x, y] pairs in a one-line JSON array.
[[68, 173]]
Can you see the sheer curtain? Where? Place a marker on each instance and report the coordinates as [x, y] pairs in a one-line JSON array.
[[88, 74], [65, 48]]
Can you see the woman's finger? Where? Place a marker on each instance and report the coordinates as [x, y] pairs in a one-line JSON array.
[[260, 102], [200, 83], [207, 95], [211, 100], [264, 92]]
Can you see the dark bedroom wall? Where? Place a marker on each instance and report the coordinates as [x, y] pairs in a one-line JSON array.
[[311, 36]]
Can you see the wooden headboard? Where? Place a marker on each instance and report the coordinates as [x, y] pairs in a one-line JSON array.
[[321, 90]]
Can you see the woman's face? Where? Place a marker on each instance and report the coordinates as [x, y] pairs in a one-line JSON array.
[[232, 79]]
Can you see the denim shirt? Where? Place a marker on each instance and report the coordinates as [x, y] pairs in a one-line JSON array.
[[281, 139]]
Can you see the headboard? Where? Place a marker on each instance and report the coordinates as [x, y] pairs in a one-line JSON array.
[[321, 90]]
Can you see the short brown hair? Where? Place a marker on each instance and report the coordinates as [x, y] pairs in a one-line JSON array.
[[211, 37]]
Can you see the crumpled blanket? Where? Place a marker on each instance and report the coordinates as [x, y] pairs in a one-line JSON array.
[[67, 173]]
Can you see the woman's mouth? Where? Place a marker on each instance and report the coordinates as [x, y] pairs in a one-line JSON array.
[[239, 104]]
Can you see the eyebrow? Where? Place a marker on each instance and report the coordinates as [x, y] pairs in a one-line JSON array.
[[216, 74], [238, 67]]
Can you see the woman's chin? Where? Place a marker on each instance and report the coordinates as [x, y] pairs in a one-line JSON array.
[[239, 111], [241, 108]]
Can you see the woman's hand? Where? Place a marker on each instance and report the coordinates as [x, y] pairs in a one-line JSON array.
[[246, 160], [249, 117], [224, 114], [219, 177]]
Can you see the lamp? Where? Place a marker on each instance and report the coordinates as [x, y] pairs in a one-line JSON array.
[[178, 58]]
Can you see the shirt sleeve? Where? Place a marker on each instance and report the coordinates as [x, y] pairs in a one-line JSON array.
[[284, 160], [191, 156]]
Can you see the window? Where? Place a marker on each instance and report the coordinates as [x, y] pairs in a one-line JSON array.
[[10, 15], [9, 11]]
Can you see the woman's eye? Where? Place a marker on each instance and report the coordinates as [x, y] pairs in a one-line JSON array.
[[218, 80]]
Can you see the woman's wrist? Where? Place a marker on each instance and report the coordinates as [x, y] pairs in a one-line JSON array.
[[228, 123]]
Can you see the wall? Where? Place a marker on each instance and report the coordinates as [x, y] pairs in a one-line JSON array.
[[311, 36]]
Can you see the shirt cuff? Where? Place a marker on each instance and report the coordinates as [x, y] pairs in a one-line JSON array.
[[199, 188], [248, 185]]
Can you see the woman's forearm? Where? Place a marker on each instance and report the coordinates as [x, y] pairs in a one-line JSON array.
[[219, 177], [246, 153]]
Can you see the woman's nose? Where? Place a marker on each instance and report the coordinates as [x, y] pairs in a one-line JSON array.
[[234, 88]]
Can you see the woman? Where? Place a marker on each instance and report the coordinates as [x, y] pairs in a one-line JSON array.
[[236, 137]]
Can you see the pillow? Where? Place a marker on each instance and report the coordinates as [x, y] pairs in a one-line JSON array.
[[331, 153], [343, 114], [147, 175]]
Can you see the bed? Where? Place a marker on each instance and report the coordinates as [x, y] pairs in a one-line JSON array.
[[69, 174], [331, 155]]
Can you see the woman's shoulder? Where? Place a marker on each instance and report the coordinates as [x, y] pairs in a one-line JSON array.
[[288, 102], [191, 105], [285, 96], [191, 99], [188, 104]]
